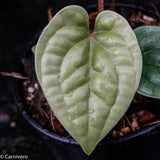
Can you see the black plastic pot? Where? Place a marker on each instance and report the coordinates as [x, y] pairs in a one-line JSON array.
[[68, 149]]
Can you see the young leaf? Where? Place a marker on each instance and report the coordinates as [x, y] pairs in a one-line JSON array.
[[148, 38], [33, 49], [88, 80]]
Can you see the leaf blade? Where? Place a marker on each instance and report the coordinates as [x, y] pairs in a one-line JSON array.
[[88, 87], [148, 38]]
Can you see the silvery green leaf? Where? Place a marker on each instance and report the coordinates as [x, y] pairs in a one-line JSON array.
[[89, 80]]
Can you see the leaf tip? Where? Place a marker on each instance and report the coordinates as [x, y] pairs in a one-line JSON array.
[[33, 49], [88, 149]]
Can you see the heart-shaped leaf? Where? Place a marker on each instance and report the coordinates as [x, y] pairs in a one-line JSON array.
[[149, 41], [88, 80]]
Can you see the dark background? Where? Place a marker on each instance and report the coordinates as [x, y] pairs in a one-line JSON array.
[[20, 20]]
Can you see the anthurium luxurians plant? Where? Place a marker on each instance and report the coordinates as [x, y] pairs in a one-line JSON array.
[[89, 80]]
